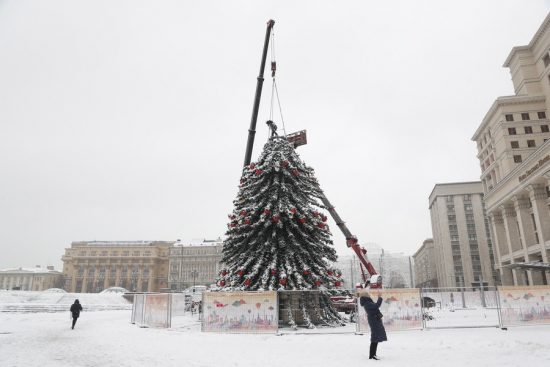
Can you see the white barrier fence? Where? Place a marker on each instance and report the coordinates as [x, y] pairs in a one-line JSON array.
[[403, 309]]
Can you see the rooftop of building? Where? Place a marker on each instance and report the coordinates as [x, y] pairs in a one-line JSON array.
[[426, 242], [200, 242], [36, 270], [455, 188], [504, 101], [120, 243], [538, 35]]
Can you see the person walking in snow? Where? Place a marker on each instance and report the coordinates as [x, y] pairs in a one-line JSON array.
[[374, 317], [76, 307]]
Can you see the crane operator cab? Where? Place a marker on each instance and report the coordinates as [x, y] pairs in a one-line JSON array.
[[375, 281]]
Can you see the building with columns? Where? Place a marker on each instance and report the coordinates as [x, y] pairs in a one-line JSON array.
[[196, 263], [514, 156], [139, 266], [463, 248], [425, 271]]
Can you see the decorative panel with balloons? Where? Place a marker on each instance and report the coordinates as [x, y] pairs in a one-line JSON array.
[[240, 312], [526, 305]]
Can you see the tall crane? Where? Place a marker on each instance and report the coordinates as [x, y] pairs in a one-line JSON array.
[[374, 280]]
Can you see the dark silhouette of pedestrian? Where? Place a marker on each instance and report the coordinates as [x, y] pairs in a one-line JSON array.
[[374, 316], [76, 307]]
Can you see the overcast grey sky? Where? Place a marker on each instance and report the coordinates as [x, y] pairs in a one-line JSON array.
[[127, 120]]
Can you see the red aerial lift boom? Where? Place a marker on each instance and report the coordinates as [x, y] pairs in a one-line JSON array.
[[299, 138]]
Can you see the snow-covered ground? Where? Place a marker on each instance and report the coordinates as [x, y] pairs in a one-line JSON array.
[[107, 338], [28, 301]]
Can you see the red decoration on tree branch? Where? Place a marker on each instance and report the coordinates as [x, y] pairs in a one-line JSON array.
[[283, 281], [240, 273], [275, 219], [247, 281]]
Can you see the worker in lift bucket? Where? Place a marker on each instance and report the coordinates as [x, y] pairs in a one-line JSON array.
[[374, 317]]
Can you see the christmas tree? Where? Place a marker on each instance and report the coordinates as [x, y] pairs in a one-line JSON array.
[[278, 238]]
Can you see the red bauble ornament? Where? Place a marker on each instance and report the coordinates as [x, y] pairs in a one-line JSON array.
[[233, 225], [324, 218], [295, 172], [224, 273], [302, 220], [338, 275], [252, 166], [222, 283], [321, 225], [293, 210], [273, 271], [267, 211], [315, 214], [243, 213], [247, 221], [283, 281], [338, 284], [240, 273], [329, 273], [307, 272], [318, 283], [259, 172], [275, 219], [284, 163], [247, 281]]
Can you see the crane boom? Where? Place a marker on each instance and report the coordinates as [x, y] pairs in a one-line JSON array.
[[257, 97], [351, 241]]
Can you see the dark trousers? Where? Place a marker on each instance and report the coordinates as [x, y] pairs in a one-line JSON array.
[[373, 346], [74, 321]]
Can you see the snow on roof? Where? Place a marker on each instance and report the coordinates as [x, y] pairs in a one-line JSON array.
[[35, 270], [119, 243]]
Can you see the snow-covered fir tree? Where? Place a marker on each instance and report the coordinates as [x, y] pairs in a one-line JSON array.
[[277, 237]]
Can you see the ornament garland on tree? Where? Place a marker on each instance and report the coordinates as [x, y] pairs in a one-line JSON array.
[[276, 235]]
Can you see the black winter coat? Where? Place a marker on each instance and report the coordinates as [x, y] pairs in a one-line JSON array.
[[75, 309], [377, 331]]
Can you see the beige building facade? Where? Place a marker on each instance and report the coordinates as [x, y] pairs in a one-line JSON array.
[[139, 266], [462, 243], [30, 279], [425, 271], [514, 155], [197, 263]]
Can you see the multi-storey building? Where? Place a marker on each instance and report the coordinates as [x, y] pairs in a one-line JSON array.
[[514, 156], [30, 279], [425, 273], [462, 242], [197, 263], [140, 266]]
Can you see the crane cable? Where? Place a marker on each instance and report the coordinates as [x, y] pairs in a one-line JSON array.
[[274, 90]]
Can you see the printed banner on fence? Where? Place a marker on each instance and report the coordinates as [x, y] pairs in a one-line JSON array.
[[157, 311], [240, 312], [525, 305], [401, 309]]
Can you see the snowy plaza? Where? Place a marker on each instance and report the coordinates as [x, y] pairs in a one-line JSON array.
[[107, 338]]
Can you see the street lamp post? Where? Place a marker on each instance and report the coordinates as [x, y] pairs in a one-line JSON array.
[[194, 274]]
